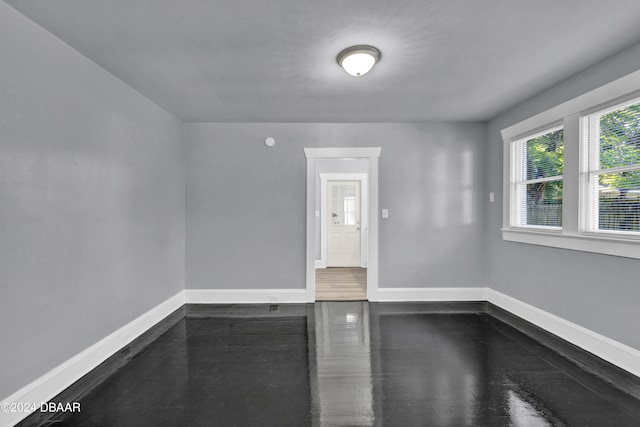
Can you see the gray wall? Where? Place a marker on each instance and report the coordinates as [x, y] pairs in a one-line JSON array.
[[246, 202], [92, 190], [598, 292], [92, 203]]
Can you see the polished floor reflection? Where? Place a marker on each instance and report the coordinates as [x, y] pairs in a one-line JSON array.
[[350, 364]]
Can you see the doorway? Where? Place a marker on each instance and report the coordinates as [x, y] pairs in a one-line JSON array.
[[368, 267], [341, 274]]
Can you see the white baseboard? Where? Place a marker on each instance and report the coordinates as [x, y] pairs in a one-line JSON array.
[[59, 378], [429, 294], [612, 351], [245, 296], [621, 355]]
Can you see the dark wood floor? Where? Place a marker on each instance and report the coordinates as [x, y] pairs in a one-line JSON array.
[[350, 363]]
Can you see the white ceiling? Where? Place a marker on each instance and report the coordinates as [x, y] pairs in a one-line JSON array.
[[274, 61]]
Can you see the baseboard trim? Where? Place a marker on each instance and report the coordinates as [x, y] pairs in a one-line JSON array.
[[612, 351], [510, 324], [429, 294], [64, 375], [607, 349], [195, 311], [245, 296]]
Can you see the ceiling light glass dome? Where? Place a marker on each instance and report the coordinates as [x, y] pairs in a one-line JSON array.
[[358, 60]]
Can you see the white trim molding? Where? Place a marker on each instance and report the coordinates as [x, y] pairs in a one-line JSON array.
[[578, 242], [612, 351], [342, 152], [245, 296], [431, 294], [64, 375], [621, 355]]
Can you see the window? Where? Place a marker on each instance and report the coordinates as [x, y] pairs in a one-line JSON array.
[[343, 204], [349, 209], [537, 171], [572, 173], [611, 163]]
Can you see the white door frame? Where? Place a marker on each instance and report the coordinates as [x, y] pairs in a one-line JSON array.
[[372, 154], [364, 213]]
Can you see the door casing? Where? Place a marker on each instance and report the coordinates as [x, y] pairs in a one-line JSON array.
[[371, 154]]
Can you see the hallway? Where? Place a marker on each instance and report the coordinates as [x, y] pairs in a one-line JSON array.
[[341, 284]]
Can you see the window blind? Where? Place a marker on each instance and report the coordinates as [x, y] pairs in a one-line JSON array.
[[612, 144], [539, 179]]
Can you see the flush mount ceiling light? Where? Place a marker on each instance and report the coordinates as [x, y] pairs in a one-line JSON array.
[[358, 60]]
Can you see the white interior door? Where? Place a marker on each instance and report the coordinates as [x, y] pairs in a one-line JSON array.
[[343, 228]]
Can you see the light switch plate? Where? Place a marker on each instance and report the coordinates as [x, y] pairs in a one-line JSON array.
[[385, 213]]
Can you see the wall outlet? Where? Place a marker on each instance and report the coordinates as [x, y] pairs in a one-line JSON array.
[[385, 213], [274, 298], [492, 197]]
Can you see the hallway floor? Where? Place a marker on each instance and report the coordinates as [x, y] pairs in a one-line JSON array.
[[341, 284], [350, 363]]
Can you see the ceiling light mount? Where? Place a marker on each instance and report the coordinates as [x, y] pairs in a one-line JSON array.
[[358, 60]]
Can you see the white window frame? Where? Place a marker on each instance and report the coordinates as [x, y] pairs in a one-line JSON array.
[[517, 153], [572, 235], [590, 169]]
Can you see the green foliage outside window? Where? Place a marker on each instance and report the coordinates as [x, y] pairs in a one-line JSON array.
[[620, 146], [545, 159], [545, 155], [619, 194]]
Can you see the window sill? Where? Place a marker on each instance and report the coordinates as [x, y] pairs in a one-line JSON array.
[[628, 248]]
